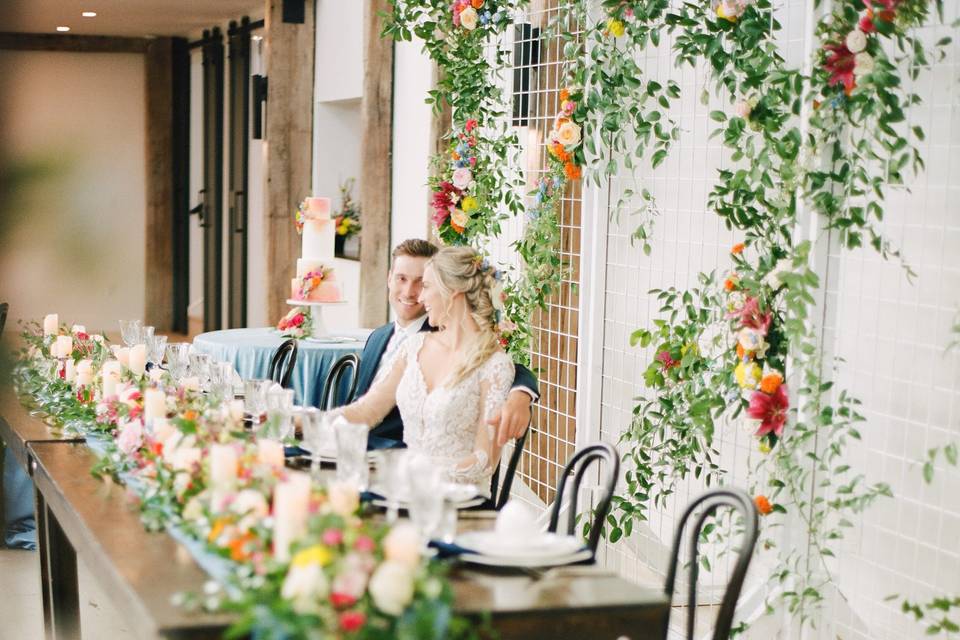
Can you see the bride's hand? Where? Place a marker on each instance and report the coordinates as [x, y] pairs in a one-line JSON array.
[[513, 418]]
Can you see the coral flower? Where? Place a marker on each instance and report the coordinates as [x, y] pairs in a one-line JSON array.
[[763, 505], [770, 409], [737, 249], [564, 95], [471, 125], [476, 3], [730, 284], [572, 171], [771, 382]]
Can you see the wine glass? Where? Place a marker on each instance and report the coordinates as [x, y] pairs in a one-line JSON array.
[[178, 359], [146, 336], [317, 432], [351, 453], [156, 347], [130, 332], [425, 479]]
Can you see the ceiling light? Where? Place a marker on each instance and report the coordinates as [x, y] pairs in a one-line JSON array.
[[89, 14], [63, 28]]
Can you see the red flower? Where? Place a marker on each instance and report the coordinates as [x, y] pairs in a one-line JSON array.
[[342, 600], [770, 409], [443, 201], [471, 125], [666, 360], [750, 315], [840, 63], [352, 620]]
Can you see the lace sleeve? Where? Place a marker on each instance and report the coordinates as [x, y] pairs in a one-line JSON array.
[[495, 380], [373, 406]]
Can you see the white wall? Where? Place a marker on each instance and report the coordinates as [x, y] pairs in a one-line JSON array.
[[79, 246]]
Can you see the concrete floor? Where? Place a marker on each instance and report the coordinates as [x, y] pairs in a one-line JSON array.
[[21, 609]]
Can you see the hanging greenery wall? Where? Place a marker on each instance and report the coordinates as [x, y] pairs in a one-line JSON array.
[[818, 146]]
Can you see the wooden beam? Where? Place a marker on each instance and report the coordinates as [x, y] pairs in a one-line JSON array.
[[376, 165], [158, 274], [440, 124], [289, 145], [64, 42]]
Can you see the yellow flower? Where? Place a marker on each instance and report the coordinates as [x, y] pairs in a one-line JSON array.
[[748, 374], [764, 447], [615, 27], [469, 204], [317, 554]]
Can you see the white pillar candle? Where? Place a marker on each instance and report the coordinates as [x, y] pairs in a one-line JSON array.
[[290, 502], [155, 374], [51, 324], [84, 373], [138, 359], [236, 410], [69, 370], [122, 354], [223, 467], [162, 429], [190, 383], [270, 452], [154, 404], [62, 347], [111, 377]]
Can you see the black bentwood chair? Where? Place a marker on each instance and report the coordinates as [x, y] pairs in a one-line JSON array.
[[346, 365], [578, 465], [283, 362], [708, 503], [500, 493]]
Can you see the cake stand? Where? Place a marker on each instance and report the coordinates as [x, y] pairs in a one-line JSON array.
[[318, 330]]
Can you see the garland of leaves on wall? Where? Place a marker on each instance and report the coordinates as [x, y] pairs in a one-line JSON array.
[[827, 141]]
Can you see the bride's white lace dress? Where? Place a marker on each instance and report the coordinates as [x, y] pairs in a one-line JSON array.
[[449, 422]]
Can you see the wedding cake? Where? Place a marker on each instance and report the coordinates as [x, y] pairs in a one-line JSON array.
[[316, 280]]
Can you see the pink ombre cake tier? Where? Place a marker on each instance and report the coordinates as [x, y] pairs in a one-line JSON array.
[[316, 208], [326, 291]]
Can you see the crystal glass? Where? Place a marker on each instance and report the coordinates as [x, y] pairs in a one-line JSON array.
[[178, 357], [391, 467], [317, 433], [255, 398], [155, 349], [425, 478], [221, 380], [352, 453], [279, 424], [130, 332], [200, 367], [146, 337]]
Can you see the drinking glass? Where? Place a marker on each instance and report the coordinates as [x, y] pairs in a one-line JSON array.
[[200, 367], [130, 332], [317, 432], [425, 480], [155, 349], [279, 424], [255, 398], [351, 453], [392, 479], [146, 337], [178, 358]]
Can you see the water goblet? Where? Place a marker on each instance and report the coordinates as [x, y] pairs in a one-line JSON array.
[[391, 467], [178, 358], [155, 349], [200, 367], [255, 398], [425, 479], [317, 432], [279, 423], [146, 336], [130, 332], [351, 452]]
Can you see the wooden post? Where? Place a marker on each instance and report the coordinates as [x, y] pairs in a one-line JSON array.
[[158, 274], [376, 166], [290, 54], [440, 125]]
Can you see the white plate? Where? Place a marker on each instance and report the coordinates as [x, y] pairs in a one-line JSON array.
[[403, 504], [329, 453], [527, 563], [542, 546]]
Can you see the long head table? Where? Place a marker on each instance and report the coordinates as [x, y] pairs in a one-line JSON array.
[[141, 571]]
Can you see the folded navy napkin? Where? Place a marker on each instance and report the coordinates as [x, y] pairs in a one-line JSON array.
[[294, 452], [377, 442], [448, 549]]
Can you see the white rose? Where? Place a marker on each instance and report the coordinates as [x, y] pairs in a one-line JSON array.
[[750, 339], [864, 64], [568, 134], [251, 505], [856, 41], [402, 545], [78, 328], [97, 338], [344, 498], [391, 587], [305, 586], [468, 18]]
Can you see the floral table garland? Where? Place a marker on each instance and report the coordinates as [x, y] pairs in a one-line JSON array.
[[302, 560]]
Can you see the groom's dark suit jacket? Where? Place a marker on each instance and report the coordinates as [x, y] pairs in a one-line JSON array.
[[392, 426]]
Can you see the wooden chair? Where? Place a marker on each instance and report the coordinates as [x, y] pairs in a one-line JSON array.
[[578, 465], [283, 362], [708, 503], [348, 364], [500, 492]]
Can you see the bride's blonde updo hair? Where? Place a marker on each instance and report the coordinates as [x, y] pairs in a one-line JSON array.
[[462, 270]]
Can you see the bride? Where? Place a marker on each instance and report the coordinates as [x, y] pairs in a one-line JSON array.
[[448, 383]]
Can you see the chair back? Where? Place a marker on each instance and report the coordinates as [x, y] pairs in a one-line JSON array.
[[347, 365], [708, 503], [4, 307], [283, 362], [578, 465], [500, 493]]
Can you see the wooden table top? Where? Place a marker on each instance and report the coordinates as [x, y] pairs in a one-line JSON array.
[[19, 427], [141, 571]]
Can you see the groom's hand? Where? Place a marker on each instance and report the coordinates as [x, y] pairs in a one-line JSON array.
[[513, 418]]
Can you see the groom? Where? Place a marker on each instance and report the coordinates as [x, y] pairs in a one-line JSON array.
[[404, 283]]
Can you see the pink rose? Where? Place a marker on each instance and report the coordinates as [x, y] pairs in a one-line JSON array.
[[462, 178], [131, 437]]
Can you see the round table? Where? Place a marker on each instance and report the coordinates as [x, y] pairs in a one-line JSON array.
[[250, 351]]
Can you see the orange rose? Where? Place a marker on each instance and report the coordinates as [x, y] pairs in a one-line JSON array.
[[237, 551], [558, 152], [476, 3], [763, 505], [572, 171], [729, 284], [455, 155], [737, 249], [771, 382], [564, 95]]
